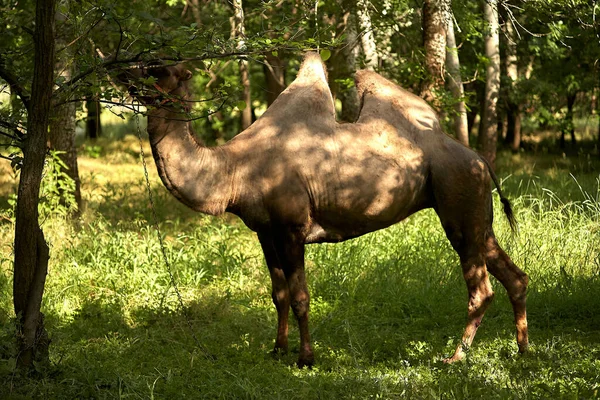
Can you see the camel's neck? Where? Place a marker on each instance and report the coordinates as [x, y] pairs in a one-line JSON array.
[[200, 177]]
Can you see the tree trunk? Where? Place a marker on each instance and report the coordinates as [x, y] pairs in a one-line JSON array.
[[31, 251], [434, 41], [569, 126], [195, 4], [492, 83], [461, 126], [239, 32], [513, 110], [367, 39], [61, 136], [274, 69], [93, 126], [342, 67]]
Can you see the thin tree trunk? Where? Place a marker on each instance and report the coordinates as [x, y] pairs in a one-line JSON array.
[[93, 126], [367, 39], [461, 126], [492, 83], [434, 41], [342, 66], [195, 4], [31, 251], [274, 69], [61, 136], [239, 32], [569, 126], [513, 133]]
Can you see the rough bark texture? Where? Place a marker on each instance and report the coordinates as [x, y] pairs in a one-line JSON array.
[[434, 41], [489, 129], [240, 33], [367, 39], [31, 250], [461, 126], [342, 66], [61, 136]]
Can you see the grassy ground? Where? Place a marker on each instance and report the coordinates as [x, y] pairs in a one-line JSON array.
[[386, 307]]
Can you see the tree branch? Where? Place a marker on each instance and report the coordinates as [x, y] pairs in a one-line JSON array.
[[13, 82], [11, 127]]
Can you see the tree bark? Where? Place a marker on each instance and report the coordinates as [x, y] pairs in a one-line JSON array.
[[434, 41], [31, 251], [61, 136], [342, 66], [274, 69], [195, 4], [461, 126], [367, 39], [569, 126], [513, 133], [489, 129], [93, 126], [239, 32]]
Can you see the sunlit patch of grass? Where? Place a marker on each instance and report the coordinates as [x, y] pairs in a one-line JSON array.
[[386, 307]]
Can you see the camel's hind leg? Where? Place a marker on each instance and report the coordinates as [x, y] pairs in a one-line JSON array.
[[471, 253], [514, 281]]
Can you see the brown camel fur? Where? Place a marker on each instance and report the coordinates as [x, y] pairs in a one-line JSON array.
[[296, 177]]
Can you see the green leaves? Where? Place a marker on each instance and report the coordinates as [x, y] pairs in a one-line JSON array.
[[241, 105]]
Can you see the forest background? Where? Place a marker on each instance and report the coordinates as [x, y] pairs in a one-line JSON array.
[[88, 307]]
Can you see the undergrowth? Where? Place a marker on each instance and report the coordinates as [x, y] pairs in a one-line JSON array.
[[385, 308]]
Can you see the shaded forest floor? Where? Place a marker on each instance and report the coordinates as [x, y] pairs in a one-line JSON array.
[[386, 308]]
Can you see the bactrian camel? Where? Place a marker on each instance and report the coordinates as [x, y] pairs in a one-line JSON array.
[[296, 176]]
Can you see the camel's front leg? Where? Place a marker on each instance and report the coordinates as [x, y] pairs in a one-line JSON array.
[[280, 292], [290, 250]]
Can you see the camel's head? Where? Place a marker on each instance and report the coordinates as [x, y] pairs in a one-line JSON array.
[[155, 84]]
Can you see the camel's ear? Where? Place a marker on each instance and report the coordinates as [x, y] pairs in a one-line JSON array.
[[187, 75]]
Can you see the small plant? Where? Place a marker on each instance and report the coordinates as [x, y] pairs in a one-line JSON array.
[[57, 193]]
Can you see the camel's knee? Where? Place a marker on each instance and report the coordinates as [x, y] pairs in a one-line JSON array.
[[479, 301], [300, 306], [280, 297], [518, 291], [478, 283]]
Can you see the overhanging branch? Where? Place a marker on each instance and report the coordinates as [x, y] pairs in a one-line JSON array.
[[13, 82]]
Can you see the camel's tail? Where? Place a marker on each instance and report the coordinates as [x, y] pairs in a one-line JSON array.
[[512, 221]]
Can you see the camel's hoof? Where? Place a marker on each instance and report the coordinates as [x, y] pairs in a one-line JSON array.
[[523, 348], [453, 359], [307, 361]]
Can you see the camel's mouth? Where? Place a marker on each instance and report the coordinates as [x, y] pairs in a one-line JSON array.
[[156, 84]]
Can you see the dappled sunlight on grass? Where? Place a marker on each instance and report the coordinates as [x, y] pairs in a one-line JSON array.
[[386, 307]]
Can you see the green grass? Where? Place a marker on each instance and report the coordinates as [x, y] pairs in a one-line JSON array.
[[386, 307]]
